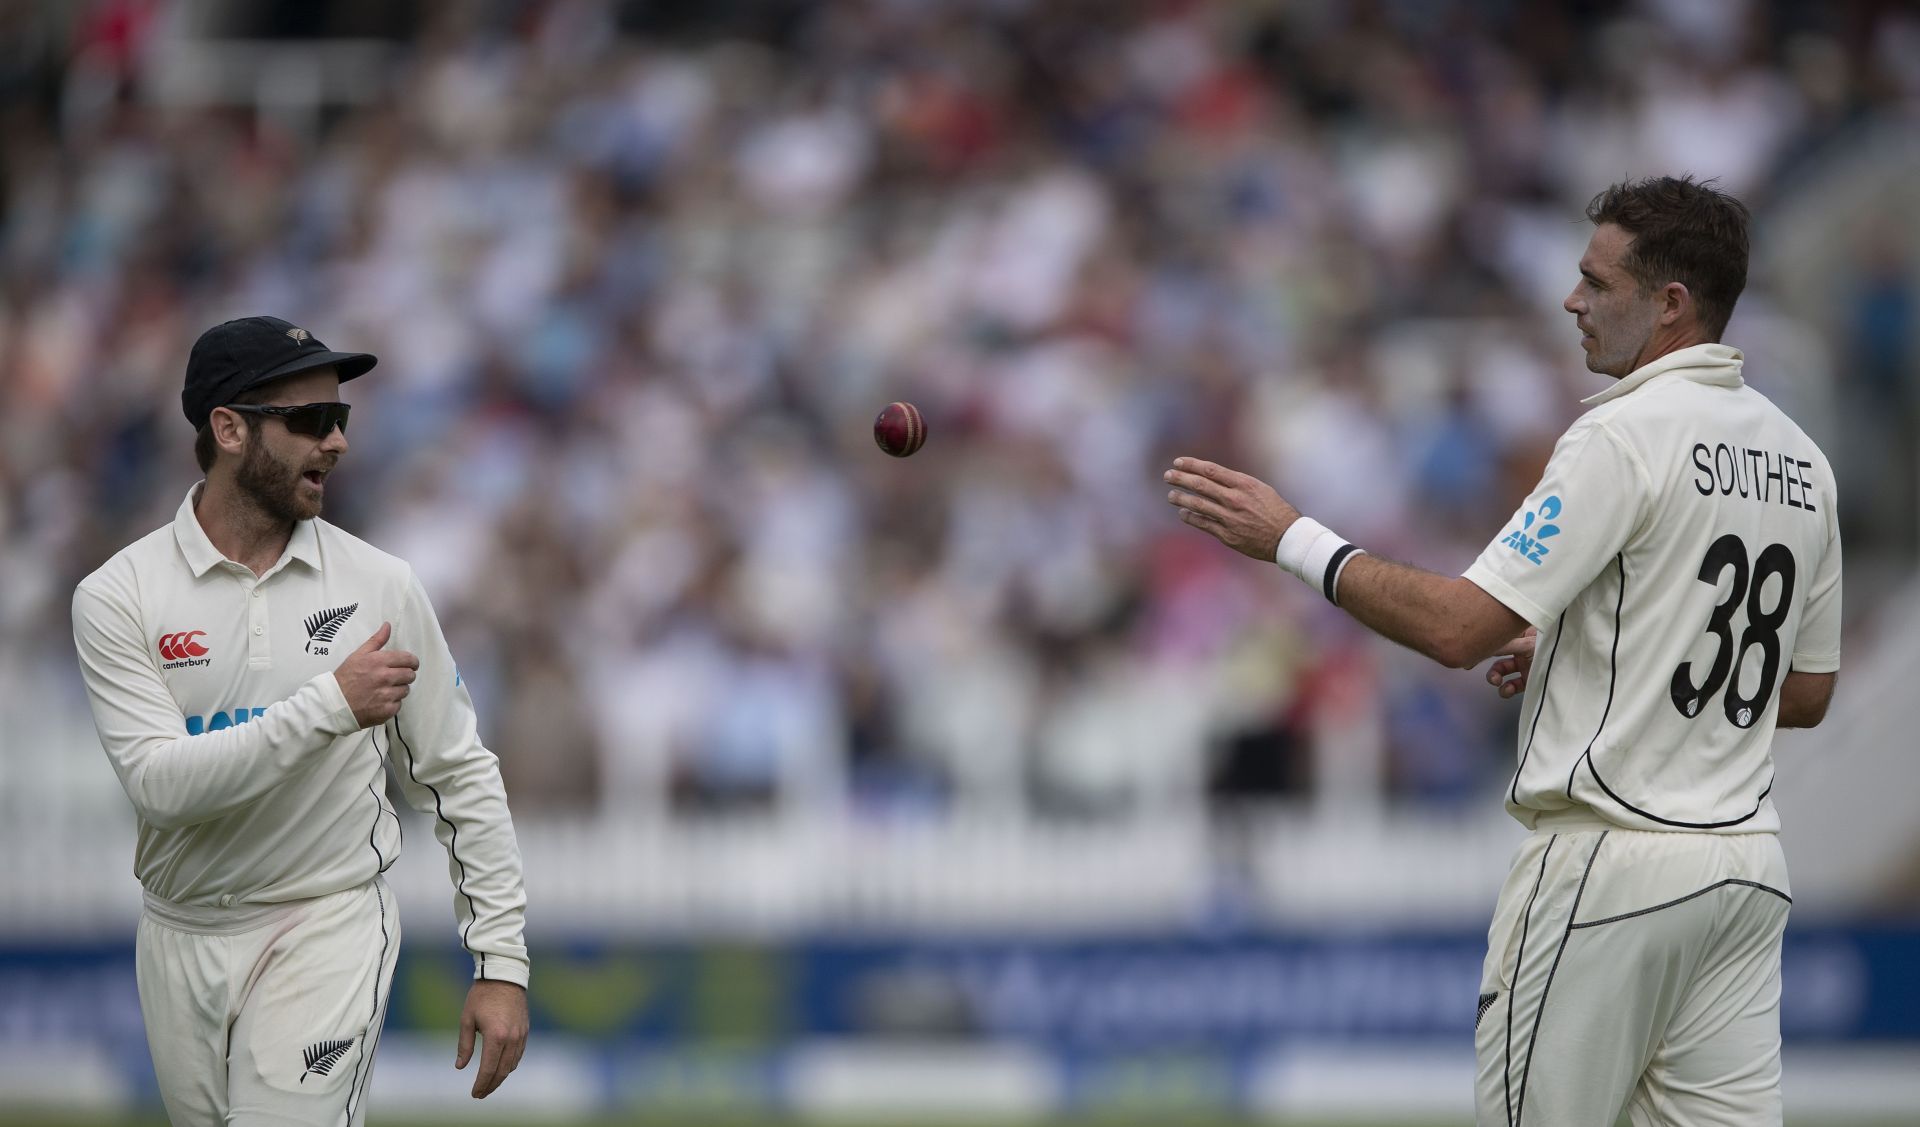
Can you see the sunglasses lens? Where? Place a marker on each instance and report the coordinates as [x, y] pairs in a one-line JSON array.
[[317, 420]]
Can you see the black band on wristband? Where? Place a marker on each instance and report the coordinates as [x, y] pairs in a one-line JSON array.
[[1333, 569]]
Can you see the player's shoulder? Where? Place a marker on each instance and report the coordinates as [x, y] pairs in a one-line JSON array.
[[1654, 402], [343, 548], [118, 577], [1602, 423], [1652, 412]]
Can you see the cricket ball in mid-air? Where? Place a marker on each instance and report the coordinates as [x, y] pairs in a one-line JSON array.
[[900, 429]]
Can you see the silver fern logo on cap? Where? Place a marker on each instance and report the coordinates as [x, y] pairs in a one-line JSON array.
[[299, 336]]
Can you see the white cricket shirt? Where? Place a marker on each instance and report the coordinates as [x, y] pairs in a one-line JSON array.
[[214, 695], [1679, 556]]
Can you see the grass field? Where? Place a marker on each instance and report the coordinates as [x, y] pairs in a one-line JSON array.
[[376, 1121], [10, 1120], [1173, 1121]]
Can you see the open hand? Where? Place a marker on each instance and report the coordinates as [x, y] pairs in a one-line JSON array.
[[1509, 673], [375, 680], [497, 1011], [1240, 511]]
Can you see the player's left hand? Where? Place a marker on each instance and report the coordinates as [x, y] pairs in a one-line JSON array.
[[1509, 674], [1240, 511], [497, 1011]]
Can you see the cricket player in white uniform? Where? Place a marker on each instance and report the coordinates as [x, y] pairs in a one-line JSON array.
[[1667, 596], [254, 672]]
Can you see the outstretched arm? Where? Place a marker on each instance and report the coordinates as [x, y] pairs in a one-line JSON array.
[[1448, 619]]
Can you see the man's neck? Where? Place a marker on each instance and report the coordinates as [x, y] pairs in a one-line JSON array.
[[1663, 344], [237, 527]]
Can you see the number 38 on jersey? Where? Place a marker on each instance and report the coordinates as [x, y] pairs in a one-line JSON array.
[[1754, 587]]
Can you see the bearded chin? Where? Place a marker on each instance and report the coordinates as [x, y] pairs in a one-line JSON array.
[[272, 486]]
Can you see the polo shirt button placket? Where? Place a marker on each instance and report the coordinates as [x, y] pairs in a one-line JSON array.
[[259, 652]]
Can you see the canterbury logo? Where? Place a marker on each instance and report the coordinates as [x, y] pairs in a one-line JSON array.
[[321, 1056], [180, 646], [323, 625], [299, 336]]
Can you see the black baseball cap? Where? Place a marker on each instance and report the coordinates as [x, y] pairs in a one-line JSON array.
[[234, 356]]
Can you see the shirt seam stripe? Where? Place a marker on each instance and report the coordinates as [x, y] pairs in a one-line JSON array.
[[1613, 675], [1546, 682], [1757, 803], [1587, 756], [453, 841]]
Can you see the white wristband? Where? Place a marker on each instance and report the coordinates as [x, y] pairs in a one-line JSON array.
[[1316, 554]]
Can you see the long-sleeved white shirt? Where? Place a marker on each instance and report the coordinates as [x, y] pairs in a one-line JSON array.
[[215, 699]]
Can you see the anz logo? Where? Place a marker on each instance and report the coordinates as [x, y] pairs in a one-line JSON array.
[[1530, 541], [199, 724]]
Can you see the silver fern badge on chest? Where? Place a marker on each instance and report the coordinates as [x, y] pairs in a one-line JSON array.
[[322, 626]]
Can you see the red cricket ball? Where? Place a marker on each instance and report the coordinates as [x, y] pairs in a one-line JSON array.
[[900, 429]]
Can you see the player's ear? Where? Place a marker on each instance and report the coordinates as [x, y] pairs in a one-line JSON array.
[[1676, 303], [229, 430]]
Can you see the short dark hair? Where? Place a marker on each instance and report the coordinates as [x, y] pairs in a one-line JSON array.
[[1683, 231], [204, 449]]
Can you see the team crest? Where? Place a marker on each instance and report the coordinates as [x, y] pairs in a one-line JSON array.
[[321, 1056], [299, 336], [323, 625]]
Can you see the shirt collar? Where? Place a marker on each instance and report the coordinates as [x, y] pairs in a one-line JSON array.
[[203, 557], [1716, 364], [305, 544]]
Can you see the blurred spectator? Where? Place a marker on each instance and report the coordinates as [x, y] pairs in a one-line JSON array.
[[1882, 319], [638, 290]]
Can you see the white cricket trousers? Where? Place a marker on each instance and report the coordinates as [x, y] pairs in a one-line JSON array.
[[1636, 971], [263, 1016]]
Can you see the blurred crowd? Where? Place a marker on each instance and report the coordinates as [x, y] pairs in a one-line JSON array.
[[637, 294]]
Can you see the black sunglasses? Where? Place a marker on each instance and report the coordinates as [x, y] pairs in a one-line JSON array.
[[315, 420]]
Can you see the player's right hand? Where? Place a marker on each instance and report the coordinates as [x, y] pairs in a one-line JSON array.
[[1509, 674], [375, 679]]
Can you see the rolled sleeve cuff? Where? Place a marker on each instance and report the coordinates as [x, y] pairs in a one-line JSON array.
[[500, 968], [1484, 578], [339, 718], [1816, 663]]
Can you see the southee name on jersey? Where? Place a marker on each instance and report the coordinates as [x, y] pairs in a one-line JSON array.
[[1759, 474]]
